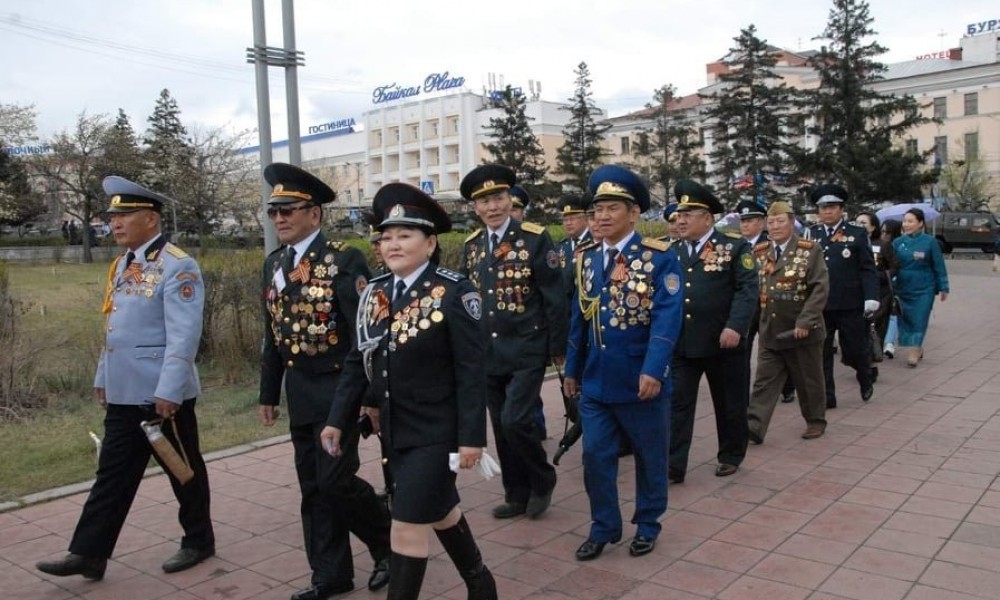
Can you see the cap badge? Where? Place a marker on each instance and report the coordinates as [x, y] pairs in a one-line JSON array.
[[397, 211], [279, 188], [610, 187]]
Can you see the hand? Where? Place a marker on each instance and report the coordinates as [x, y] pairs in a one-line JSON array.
[[166, 408], [729, 338], [468, 457], [558, 360], [649, 387], [102, 400], [570, 387], [871, 306], [801, 333], [330, 439], [373, 414], [943, 296], [267, 414]]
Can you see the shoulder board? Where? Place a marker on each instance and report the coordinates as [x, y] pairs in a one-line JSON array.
[[806, 244], [174, 251], [761, 246], [381, 277], [586, 247], [473, 235], [276, 251], [337, 246], [449, 274], [655, 244], [733, 236], [532, 228]]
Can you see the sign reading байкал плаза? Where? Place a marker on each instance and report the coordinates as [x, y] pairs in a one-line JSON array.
[[435, 82]]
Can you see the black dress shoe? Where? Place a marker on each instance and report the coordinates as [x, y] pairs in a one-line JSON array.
[[74, 564], [786, 398], [641, 545], [508, 510], [754, 437], [590, 550], [322, 591], [866, 394], [831, 403], [185, 558], [380, 575], [675, 476], [725, 470], [537, 505]]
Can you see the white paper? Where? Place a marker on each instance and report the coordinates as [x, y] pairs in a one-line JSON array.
[[279, 281]]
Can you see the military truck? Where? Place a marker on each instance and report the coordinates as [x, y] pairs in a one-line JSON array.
[[965, 229]]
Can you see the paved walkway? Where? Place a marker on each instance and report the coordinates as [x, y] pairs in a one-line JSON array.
[[898, 500]]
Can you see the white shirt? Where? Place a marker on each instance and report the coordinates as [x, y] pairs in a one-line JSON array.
[[499, 233], [300, 248], [620, 246], [409, 279]]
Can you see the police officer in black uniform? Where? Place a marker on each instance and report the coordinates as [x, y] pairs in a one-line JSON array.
[[720, 294], [853, 288], [575, 222], [516, 267], [311, 289]]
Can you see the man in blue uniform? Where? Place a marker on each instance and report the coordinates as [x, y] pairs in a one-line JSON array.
[[575, 222], [515, 266], [853, 288], [311, 288], [626, 320], [153, 305], [519, 201], [720, 295]]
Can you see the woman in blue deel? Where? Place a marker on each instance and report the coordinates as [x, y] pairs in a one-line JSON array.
[[921, 276]]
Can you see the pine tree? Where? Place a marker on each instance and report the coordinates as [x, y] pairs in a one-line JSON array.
[[122, 155], [667, 149], [748, 117], [582, 151], [18, 203], [515, 145], [169, 159], [858, 128]]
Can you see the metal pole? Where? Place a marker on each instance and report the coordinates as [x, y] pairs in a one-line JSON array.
[[291, 84], [263, 118]]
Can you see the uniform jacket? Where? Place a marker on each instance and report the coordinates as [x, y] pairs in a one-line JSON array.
[[793, 292], [424, 355], [524, 303], [567, 262], [154, 316], [309, 325], [626, 325], [848, 255], [720, 291]]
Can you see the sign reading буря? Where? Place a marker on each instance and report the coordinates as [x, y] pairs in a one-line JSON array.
[[435, 82]]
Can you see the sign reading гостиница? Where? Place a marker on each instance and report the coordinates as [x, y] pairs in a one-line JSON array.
[[435, 82]]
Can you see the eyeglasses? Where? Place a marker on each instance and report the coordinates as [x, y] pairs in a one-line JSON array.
[[285, 211]]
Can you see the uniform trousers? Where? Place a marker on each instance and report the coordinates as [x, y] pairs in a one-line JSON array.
[[730, 395], [855, 347], [788, 389], [125, 453], [804, 365], [512, 401], [646, 424], [336, 502]]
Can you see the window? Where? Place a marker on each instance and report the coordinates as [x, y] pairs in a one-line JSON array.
[[971, 146], [414, 133], [625, 145], [940, 108], [911, 147], [347, 197], [972, 104], [941, 150]]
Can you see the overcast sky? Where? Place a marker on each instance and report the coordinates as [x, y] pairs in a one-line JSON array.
[[69, 56]]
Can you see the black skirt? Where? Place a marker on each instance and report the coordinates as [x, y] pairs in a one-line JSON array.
[[423, 485]]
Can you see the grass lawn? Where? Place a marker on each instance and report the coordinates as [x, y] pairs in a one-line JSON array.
[[63, 319]]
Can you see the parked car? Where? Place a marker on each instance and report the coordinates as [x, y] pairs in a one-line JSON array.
[[965, 229]]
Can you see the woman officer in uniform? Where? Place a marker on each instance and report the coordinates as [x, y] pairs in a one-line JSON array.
[[421, 346]]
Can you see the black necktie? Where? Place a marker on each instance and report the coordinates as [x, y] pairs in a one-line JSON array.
[[129, 257], [400, 288], [610, 265], [777, 253], [289, 259], [494, 242], [692, 249], [829, 232]]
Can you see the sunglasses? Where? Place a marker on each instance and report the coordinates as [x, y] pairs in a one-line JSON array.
[[285, 211]]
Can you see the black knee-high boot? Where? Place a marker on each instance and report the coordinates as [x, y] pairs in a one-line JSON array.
[[406, 575], [461, 547]]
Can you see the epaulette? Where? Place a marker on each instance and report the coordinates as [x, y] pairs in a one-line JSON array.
[[586, 247], [449, 274], [174, 251], [806, 244], [473, 235], [655, 244], [534, 228], [761, 246], [276, 250], [380, 277], [336, 246]]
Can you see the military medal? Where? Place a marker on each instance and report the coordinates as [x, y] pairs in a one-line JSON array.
[[846, 253]]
